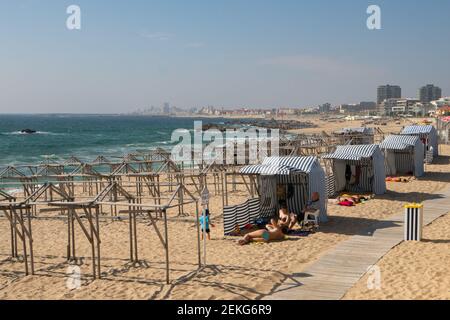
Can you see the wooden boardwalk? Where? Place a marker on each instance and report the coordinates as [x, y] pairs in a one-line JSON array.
[[332, 275]]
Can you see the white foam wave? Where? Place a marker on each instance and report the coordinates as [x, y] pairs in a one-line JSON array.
[[14, 133]]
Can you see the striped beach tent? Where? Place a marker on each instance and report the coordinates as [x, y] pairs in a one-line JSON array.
[[427, 134], [301, 176], [358, 168], [403, 154]]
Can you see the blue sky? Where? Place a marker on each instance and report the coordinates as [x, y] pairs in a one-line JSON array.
[[256, 53]]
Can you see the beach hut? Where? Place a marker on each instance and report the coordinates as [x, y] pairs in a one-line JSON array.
[[358, 168], [355, 136], [289, 179], [428, 136], [403, 155]]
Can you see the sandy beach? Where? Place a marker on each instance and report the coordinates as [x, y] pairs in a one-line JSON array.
[[234, 272], [413, 271]]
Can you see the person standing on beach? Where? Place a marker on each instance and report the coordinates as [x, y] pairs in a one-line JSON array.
[[204, 222]]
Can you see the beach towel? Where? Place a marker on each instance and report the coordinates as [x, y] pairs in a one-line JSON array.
[[298, 233], [346, 203]]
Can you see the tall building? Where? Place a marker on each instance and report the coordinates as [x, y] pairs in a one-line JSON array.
[[326, 107], [367, 105], [429, 93], [166, 108], [388, 92]]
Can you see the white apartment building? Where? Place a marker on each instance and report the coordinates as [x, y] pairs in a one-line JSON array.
[[398, 106]]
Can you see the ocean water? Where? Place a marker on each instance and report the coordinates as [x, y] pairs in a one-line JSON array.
[[84, 136]]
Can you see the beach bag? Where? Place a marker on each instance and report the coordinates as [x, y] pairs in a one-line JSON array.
[[261, 222]]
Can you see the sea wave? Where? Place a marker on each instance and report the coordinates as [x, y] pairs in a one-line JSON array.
[[166, 142], [15, 133], [14, 191], [50, 156]]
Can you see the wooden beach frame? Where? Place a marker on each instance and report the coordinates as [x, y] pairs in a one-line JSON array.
[[63, 188], [20, 217], [141, 178]]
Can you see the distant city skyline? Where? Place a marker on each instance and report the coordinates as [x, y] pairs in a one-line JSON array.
[[259, 54]]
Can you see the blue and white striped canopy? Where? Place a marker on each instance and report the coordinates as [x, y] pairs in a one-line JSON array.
[[303, 164], [353, 152], [267, 170], [281, 166], [395, 142], [417, 129]]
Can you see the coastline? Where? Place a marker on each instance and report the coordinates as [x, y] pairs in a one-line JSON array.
[[233, 272]]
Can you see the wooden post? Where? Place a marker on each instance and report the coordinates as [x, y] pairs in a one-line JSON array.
[[226, 189], [222, 189], [135, 235], [24, 242], [30, 239], [167, 245], [91, 232], [198, 235], [98, 240], [131, 234], [69, 241], [13, 223], [72, 227]]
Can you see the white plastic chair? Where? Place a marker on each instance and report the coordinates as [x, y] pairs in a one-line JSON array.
[[311, 217]]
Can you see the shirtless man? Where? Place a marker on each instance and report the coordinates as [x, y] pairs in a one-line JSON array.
[[312, 206], [271, 233]]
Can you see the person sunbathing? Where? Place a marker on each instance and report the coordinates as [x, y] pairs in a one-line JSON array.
[[352, 200], [285, 219], [271, 233]]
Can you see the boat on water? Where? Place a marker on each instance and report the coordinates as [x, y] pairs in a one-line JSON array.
[[28, 131]]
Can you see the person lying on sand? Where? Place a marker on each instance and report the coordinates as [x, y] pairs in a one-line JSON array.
[[271, 233], [346, 200]]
